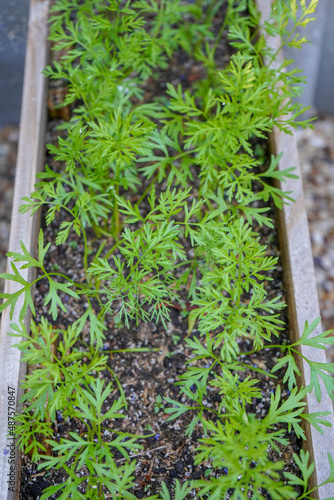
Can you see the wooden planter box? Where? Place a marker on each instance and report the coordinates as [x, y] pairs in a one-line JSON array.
[[294, 243], [23, 227]]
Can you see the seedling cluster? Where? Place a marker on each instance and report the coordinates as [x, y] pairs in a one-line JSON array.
[[190, 232]]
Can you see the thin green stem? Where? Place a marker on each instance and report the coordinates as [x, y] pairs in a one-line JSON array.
[[219, 414], [220, 34], [111, 251], [274, 346], [303, 496], [62, 276], [258, 370], [119, 385], [239, 277], [148, 189], [134, 349], [85, 259], [160, 19], [116, 32]]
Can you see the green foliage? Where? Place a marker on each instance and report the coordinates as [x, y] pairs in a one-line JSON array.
[[171, 238], [145, 274], [158, 405], [240, 264], [55, 288], [319, 371], [56, 377], [180, 491], [240, 447], [67, 381], [306, 470]]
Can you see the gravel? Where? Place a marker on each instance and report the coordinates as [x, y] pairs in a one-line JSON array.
[[8, 149], [316, 152]]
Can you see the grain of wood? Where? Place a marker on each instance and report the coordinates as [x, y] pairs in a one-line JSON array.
[[302, 295], [23, 227], [303, 306]]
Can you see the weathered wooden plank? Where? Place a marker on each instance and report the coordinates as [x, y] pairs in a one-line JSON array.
[[23, 227], [303, 304], [302, 295]]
